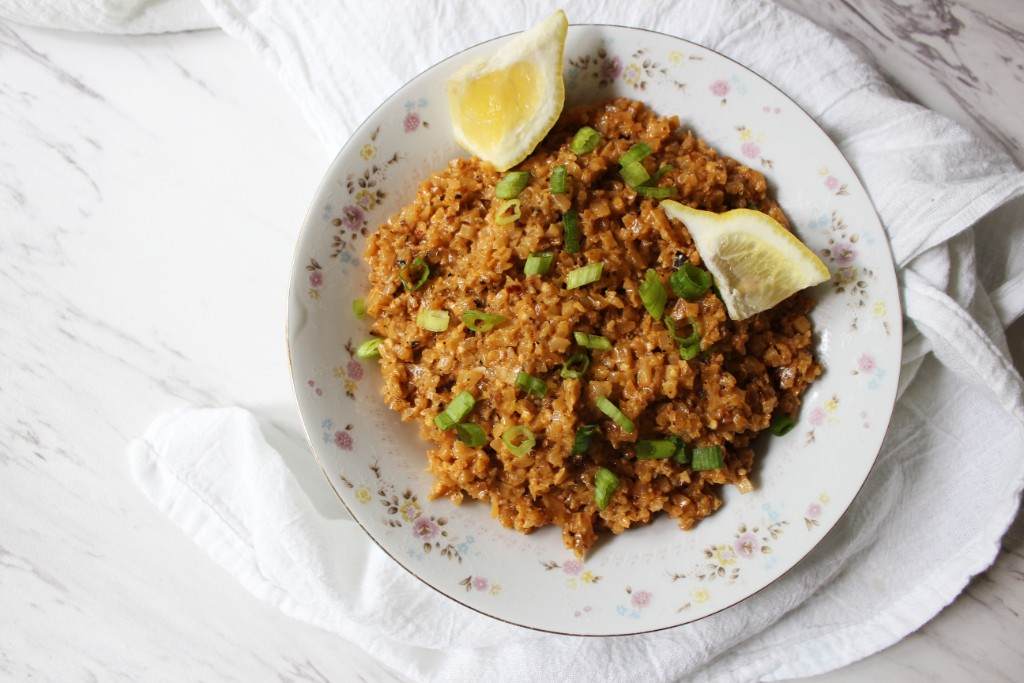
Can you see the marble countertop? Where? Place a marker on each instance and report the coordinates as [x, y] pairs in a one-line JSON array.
[[151, 190]]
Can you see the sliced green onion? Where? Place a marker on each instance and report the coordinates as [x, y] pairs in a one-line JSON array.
[[662, 170], [655, 192], [592, 341], [690, 282], [653, 294], [471, 434], [432, 320], [584, 437], [682, 455], [707, 458], [538, 263], [575, 366], [654, 450], [534, 386], [610, 409], [635, 153], [689, 352], [410, 269], [519, 439], [456, 410], [558, 184], [512, 184], [689, 347], [359, 308], [605, 483], [368, 349], [781, 425], [503, 216], [571, 228], [585, 140], [635, 174], [584, 276], [478, 321]]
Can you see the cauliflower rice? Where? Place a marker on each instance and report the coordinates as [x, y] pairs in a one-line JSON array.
[[746, 372]]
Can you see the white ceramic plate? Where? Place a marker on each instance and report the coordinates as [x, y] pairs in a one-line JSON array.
[[648, 578]]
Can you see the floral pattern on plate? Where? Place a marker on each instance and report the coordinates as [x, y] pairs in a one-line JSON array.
[[655, 576]]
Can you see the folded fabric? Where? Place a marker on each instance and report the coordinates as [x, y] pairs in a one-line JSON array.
[[901, 553]]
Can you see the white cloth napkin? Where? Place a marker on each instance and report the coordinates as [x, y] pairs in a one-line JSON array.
[[944, 489]]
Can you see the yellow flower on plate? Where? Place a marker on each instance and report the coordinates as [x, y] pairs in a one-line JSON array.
[[700, 595], [363, 494]]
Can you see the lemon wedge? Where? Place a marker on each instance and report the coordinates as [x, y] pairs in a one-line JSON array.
[[503, 105], [755, 261]]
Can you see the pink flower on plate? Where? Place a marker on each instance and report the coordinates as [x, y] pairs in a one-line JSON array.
[[831, 182], [720, 88], [572, 567], [817, 416], [355, 370], [611, 68], [814, 510], [411, 122], [640, 599], [751, 150], [425, 529], [343, 440], [747, 545], [316, 279], [866, 363], [844, 253], [480, 583], [353, 216]]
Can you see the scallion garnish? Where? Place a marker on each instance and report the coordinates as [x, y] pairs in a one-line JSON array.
[[635, 153], [407, 273], [653, 294], [519, 439], [592, 341], [505, 216], [689, 346], [635, 174], [690, 282], [654, 449], [368, 349], [512, 184], [571, 229], [707, 458], [471, 434], [682, 455], [557, 183], [584, 437], [478, 321], [584, 276], [456, 410], [585, 140], [655, 192], [534, 386], [781, 425], [359, 308], [432, 320], [538, 263], [612, 411], [662, 170], [605, 483], [575, 366]]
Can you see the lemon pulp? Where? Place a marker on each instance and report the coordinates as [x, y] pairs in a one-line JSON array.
[[495, 102]]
